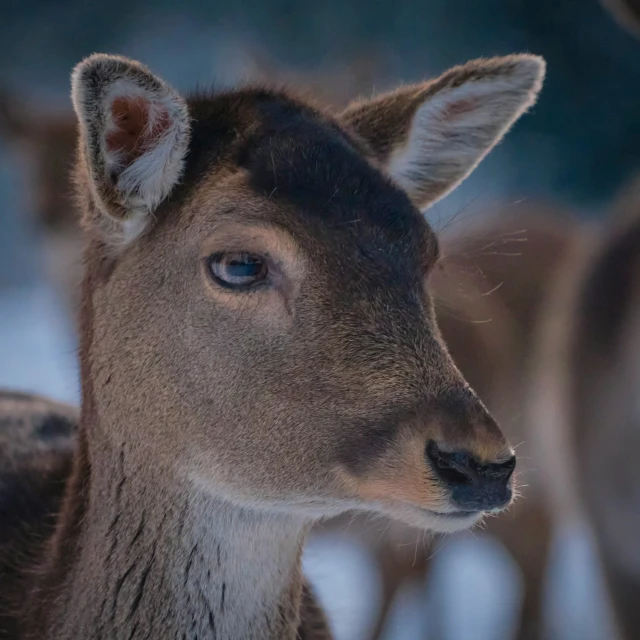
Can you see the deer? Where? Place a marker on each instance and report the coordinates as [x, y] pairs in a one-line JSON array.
[[257, 346], [487, 294], [603, 369], [37, 443], [46, 143], [582, 408]]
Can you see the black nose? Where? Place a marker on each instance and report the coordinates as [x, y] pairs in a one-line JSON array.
[[474, 486]]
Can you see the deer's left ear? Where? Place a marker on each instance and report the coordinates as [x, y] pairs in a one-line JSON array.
[[430, 136]]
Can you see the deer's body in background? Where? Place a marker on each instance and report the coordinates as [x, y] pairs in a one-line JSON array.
[[605, 368], [46, 143], [583, 405], [258, 348], [583, 399], [37, 442]]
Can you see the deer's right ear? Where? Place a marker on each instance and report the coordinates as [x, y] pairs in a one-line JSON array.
[[134, 135], [430, 136]]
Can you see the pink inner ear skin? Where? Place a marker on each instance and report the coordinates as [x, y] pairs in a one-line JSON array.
[[459, 108], [132, 134]]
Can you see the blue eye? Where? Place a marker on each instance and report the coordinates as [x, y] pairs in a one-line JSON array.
[[237, 270]]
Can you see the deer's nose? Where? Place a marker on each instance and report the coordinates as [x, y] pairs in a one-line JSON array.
[[474, 485]]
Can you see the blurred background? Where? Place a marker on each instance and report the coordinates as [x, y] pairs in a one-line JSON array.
[[566, 169]]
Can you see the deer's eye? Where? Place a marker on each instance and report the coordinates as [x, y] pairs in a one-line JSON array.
[[237, 270]]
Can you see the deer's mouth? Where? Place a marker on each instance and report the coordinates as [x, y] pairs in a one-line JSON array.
[[432, 488], [437, 521], [453, 515]]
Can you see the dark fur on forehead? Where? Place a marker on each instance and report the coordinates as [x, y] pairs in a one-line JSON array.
[[223, 123], [299, 156]]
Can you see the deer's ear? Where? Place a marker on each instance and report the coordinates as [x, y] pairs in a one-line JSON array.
[[134, 134], [430, 136]]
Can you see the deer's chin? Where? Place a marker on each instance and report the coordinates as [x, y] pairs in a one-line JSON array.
[[437, 521]]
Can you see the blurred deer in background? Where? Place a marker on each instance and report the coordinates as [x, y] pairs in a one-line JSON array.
[[46, 143], [626, 13], [583, 410], [583, 405], [604, 373]]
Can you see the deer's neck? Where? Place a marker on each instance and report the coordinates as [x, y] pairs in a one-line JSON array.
[[141, 553], [162, 559]]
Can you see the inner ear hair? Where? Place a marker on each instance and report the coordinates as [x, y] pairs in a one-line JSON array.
[[430, 136], [134, 132]]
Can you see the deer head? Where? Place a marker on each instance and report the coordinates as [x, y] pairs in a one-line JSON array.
[[257, 285]]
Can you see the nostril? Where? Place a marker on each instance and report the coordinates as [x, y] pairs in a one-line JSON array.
[[473, 485], [453, 476], [453, 468], [499, 471]]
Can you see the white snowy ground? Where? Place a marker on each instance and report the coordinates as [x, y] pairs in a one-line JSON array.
[[474, 589]]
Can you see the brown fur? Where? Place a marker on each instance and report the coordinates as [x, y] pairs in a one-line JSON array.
[[488, 294], [484, 337]]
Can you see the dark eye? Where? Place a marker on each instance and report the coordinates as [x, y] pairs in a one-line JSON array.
[[237, 270]]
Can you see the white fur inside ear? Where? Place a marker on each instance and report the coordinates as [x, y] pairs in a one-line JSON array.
[[154, 173], [135, 132], [454, 129]]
